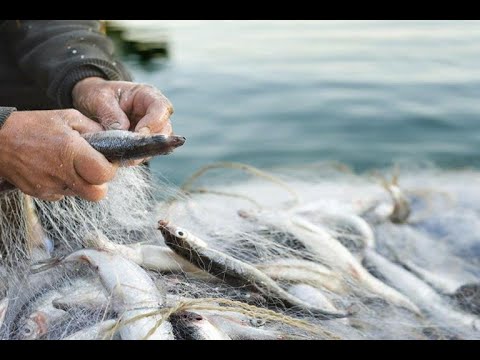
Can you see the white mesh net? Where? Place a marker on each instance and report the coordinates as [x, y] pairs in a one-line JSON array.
[[268, 253]]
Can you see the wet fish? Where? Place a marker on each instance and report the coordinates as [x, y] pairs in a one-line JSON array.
[[118, 145], [133, 293], [441, 282], [332, 253], [241, 327], [189, 325], [420, 292], [359, 233], [467, 297], [401, 206], [99, 331], [313, 296], [43, 319], [92, 297], [233, 271], [152, 257], [304, 271], [84, 295], [122, 145], [3, 310]]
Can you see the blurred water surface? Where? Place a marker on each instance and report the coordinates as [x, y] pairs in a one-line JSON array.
[[270, 93]]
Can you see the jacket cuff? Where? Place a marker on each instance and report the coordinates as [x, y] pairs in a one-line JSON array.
[[61, 88], [5, 113]]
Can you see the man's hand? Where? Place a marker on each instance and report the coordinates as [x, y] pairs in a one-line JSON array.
[[124, 105], [43, 154]]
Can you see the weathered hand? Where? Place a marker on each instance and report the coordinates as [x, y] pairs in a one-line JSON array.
[[43, 154], [124, 105]]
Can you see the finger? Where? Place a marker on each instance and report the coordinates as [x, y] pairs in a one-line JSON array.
[[157, 117], [79, 122], [111, 116], [91, 165], [66, 191]]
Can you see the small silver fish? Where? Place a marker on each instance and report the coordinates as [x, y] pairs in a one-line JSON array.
[[331, 252], [241, 327], [467, 297], [39, 322], [119, 145], [3, 310], [441, 282], [401, 206], [304, 271], [193, 326], [84, 295], [122, 145], [315, 297], [152, 257], [133, 292], [420, 292], [233, 271]]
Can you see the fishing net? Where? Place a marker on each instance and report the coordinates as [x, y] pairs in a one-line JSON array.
[[322, 234]]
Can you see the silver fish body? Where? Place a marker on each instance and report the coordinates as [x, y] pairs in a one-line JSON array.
[[331, 252], [122, 145], [441, 282], [241, 327], [193, 326], [304, 271], [421, 293], [233, 271], [43, 318], [83, 295], [134, 294], [152, 257], [401, 206], [118, 145], [467, 297], [3, 310]]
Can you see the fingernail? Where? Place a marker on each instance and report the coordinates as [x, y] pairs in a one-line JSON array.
[[115, 126], [145, 131]]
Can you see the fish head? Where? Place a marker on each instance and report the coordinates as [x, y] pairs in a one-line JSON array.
[[171, 233], [176, 141], [189, 316], [175, 235], [169, 230], [34, 327]]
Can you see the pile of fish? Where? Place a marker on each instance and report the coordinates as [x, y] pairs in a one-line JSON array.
[[339, 258]]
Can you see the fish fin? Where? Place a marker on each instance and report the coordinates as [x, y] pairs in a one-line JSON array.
[[44, 265]]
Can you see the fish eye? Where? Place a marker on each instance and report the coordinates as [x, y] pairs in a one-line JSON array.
[[257, 322], [181, 234], [27, 330]]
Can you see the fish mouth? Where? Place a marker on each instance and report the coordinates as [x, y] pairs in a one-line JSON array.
[[177, 141], [165, 229], [162, 224]]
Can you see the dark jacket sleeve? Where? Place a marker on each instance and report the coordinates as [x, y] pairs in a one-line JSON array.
[[56, 54], [5, 113]]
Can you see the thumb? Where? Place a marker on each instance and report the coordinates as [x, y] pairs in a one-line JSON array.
[[111, 116], [91, 165]]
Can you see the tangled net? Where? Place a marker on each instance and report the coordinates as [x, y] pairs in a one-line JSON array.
[[399, 258]]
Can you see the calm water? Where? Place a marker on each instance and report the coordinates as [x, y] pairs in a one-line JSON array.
[[366, 93]]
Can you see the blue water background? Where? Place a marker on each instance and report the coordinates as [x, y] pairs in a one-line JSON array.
[[270, 93]]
